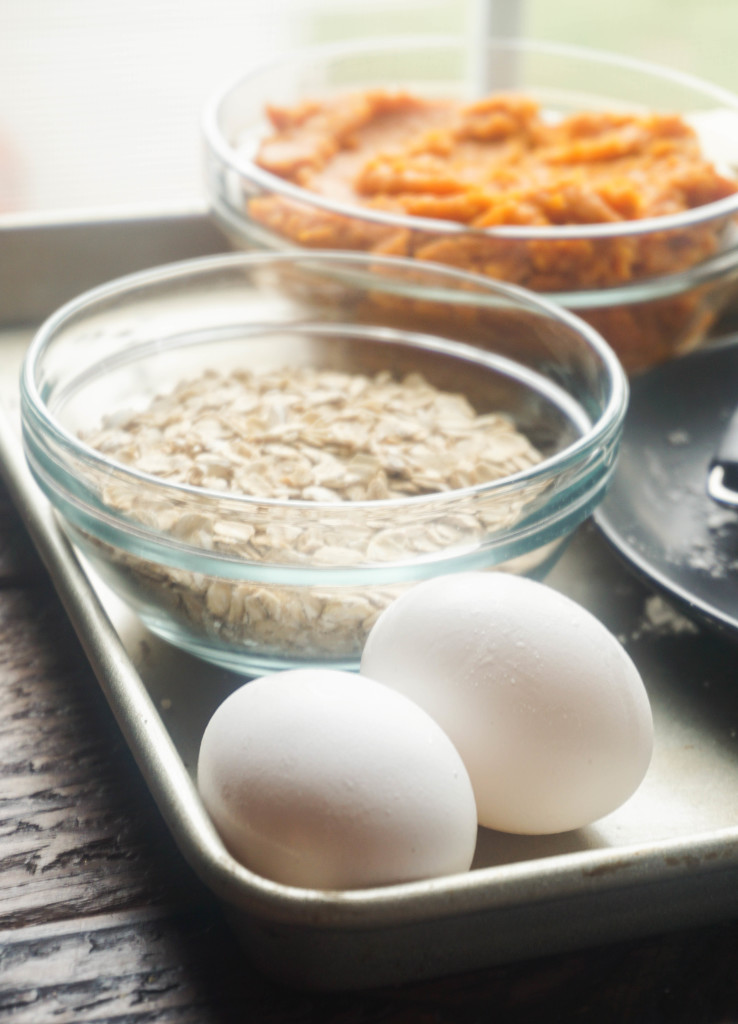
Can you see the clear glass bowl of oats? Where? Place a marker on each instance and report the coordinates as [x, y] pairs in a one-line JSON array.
[[259, 452], [604, 183]]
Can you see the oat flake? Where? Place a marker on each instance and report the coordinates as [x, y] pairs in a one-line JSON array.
[[313, 435]]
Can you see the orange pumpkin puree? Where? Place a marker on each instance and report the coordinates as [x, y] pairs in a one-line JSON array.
[[492, 163]]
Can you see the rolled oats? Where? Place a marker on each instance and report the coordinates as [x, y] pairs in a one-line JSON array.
[[317, 436]]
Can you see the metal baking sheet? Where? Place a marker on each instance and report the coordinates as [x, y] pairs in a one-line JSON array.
[[667, 858]]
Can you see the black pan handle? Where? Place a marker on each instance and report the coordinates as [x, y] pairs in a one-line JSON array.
[[722, 478]]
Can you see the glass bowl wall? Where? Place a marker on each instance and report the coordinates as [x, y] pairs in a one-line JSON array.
[[652, 287], [233, 578]]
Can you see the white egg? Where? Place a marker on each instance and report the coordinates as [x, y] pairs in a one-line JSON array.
[[548, 712], [325, 779]]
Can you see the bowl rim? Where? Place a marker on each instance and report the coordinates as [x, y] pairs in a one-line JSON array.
[[599, 435], [268, 182]]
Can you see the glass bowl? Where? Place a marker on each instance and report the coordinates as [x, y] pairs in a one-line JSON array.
[[259, 583], [652, 285]]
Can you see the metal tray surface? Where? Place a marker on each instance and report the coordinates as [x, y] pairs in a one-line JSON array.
[[667, 858]]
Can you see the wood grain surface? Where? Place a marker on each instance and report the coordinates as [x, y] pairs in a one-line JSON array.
[[101, 920]]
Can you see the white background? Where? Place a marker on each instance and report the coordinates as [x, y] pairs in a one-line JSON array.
[[100, 99]]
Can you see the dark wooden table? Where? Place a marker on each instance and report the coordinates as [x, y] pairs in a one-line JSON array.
[[102, 920]]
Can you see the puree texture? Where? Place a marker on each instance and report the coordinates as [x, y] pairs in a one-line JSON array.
[[500, 162]]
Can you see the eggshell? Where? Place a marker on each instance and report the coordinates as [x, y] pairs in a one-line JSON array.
[[325, 779], [548, 712]]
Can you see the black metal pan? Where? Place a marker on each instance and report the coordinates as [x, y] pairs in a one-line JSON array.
[[672, 508]]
